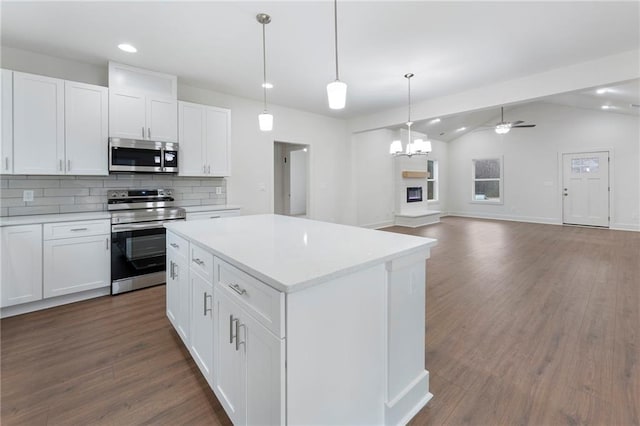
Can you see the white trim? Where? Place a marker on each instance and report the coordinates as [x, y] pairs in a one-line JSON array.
[[633, 227], [378, 225], [541, 220]]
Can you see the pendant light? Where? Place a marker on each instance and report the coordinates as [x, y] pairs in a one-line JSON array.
[[417, 147], [336, 90], [265, 120]]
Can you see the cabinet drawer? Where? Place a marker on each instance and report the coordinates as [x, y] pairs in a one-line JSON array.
[[201, 261], [76, 229], [178, 245], [214, 214], [262, 302]]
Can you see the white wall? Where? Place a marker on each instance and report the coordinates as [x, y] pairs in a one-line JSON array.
[[532, 173], [252, 175]]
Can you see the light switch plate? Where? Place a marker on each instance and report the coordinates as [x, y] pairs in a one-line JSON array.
[[27, 195]]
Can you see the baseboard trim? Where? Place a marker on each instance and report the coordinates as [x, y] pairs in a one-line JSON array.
[[541, 220], [625, 227], [38, 305], [378, 225]]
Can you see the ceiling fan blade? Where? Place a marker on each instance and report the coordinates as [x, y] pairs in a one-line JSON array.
[[515, 123], [524, 125]]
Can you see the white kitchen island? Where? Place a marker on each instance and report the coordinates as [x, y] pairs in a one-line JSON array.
[[300, 322]]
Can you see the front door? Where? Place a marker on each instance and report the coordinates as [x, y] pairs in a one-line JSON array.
[[586, 189]]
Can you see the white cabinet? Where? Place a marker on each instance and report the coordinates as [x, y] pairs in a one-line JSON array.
[[205, 140], [142, 104], [86, 128], [212, 214], [138, 116], [38, 124], [6, 124], [59, 127], [201, 323], [77, 260], [21, 275], [249, 365], [178, 290]]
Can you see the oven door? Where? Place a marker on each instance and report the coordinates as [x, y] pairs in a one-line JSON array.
[[137, 256]]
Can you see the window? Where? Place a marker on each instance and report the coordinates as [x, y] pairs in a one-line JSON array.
[[585, 165], [487, 180], [432, 180]]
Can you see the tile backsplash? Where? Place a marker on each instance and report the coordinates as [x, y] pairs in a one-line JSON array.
[[71, 194]]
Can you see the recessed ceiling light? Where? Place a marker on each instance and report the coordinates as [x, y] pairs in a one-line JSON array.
[[434, 121], [606, 107], [127, 48], [461, 129], [267, 85], [602, 91]]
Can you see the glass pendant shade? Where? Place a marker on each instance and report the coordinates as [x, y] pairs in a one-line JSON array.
[[265, 120], [395, 148], [337, 93]]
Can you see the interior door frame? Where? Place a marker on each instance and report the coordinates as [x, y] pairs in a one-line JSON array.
[[560, 186], [300, 145]]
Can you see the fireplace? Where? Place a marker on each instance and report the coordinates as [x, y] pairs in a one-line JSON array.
[[414, 194]]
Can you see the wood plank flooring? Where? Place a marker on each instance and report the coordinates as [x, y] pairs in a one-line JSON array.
[[526, 324]]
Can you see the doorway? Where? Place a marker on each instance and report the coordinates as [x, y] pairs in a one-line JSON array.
[[585, 195], [290, 174]]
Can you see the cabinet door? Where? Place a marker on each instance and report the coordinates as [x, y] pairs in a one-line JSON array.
[[6, 129], [229, 384], [38, 124], [86, 128], [72, 265], [201, 324], [127, 115], [264, 356], [218, 133], [21, 275], [178, 294], [173, 290], [191, 139], [162, 119]]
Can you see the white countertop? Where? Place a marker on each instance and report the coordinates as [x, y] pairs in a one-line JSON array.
[[210, 208], [290, 253], [49, 218]]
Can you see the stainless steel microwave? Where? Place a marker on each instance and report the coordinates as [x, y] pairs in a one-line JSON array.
[[133, 155]]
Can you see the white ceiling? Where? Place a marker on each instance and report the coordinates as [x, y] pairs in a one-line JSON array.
[[449, 46]]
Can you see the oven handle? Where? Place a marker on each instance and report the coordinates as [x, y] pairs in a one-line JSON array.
[[137, 226]]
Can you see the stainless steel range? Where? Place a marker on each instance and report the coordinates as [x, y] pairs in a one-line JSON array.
[[138, 236]]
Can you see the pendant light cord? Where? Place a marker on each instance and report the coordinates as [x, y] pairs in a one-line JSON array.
[[335, 20], [264, 67]]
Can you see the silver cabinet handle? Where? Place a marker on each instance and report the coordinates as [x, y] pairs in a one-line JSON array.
[[68, 165], [231, 321], [209, 169], [238, 289], [149, 132], [78, 229], [214, 217], [198, 261], [107, 241], [174, 245], [204, 300], [171, 269], [237, 335], [176, 270], [142, 132], [60, 165], [6, 163]]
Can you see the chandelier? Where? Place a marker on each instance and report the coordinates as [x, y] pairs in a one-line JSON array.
[[416, 147]]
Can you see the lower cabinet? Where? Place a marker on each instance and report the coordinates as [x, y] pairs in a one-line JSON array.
[[21, 275], [249, 366], [178, 288], [201, 342], [75, 264]]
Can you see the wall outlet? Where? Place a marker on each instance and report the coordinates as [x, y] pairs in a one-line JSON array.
[[218, 190], [27, 195]]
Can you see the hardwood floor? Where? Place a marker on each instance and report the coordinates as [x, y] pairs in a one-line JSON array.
[[526, 324]]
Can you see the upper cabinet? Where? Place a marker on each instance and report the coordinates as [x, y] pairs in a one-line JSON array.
[[142, 104], [86, 128], [6, 129], [38, 124], [204, 140], [59, 127]]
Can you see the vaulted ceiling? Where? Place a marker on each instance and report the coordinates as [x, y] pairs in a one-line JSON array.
[[449, 46]]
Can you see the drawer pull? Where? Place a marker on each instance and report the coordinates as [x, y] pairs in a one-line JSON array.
[[214, 217], [174, 245], [238, 289], [198, 261], [79, 229]]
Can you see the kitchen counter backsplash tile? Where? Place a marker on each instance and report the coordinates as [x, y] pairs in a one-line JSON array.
[[71, 194]]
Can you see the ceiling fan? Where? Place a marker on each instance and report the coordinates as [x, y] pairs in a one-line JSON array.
[[503, 127]]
